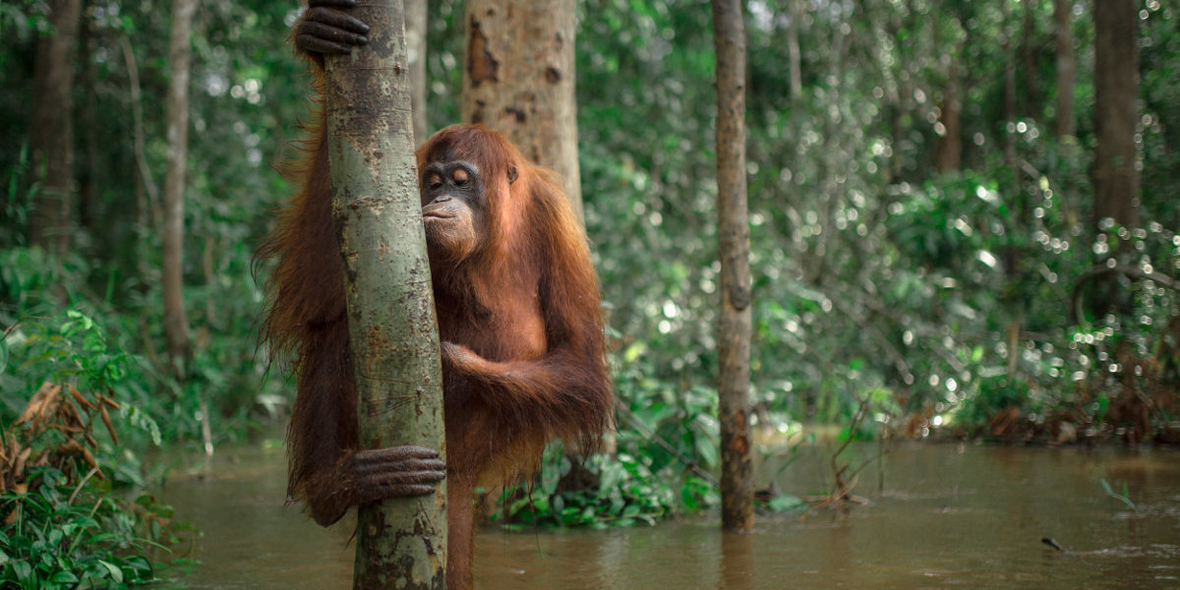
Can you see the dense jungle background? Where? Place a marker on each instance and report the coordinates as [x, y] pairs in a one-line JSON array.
[[949, 240]]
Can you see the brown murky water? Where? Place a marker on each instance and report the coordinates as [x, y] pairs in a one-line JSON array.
[[949, 516]]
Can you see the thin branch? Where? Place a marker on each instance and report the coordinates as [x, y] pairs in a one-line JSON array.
[[145, 171], [93, 471]]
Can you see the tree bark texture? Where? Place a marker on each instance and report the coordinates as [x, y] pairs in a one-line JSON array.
[[518, 79], [416, 33], [950, 145], [1066, 68], [795, 8], [88, 119], [1116, 89], [1028, 59], [149, 207], [176, 112], [401, 542], [734, 325], [51, 140], [1009, 51]]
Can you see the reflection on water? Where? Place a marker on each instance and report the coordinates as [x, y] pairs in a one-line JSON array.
[[948, 517]]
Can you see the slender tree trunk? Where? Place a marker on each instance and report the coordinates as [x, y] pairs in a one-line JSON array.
[[1028, 58], [149, 213], [833, 191], [416, 47], [1116, 114], [180, 53], [401, 542], [1066, 68], [88, 117], [950, 146], [795, 7], [1009, 83], [52, 139], [905, 92], [518, 79], [734, 325], [1013, 189]]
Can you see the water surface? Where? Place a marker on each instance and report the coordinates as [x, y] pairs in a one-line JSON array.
[[948, 516]]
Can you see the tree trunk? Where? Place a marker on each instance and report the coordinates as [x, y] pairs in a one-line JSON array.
[[416, 34], [518, 79], [1029, 59], [1012, 189], [1066, 68], [149, 213], [88, 118], [1009, 116], [1116, 183], [795, 7], [180, 53], [1116, 88], [950, 146], [734, 325], [401, 542], [51, 141]]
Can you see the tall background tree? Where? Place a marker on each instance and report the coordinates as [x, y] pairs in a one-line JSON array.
[[733, 230], [177, 112], [519, 79], [51, 140], [1114, 171], [1116, 112], [415, 23], [1066, 126]]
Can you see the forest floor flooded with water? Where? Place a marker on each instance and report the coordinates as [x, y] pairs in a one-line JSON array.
[[946, 516]]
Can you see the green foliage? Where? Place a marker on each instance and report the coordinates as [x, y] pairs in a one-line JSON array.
[[62, 539], [67, 528], [623, 492], [931, 295], [995, 394]]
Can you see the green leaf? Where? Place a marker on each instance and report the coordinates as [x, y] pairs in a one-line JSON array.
[[64, 578], [785, 503], [115, 572], [23, 571], [708, 450]]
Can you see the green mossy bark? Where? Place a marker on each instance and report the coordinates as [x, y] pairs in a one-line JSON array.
[[401, 543]]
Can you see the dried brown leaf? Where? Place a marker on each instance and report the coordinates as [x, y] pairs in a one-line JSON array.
[[21, 459], [43, 403], [89, 458], [106, 419], [70, 414], [78, 397]]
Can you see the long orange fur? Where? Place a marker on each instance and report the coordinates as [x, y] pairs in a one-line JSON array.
[[525, 305]]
